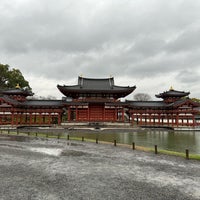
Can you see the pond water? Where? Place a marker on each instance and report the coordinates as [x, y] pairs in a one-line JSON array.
[[168, 140], [165, 139]]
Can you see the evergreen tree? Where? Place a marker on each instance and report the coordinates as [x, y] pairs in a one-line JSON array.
[[9, 78]]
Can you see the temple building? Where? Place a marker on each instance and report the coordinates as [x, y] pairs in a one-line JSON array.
[[175, 110], [97, 100], [16, 109]]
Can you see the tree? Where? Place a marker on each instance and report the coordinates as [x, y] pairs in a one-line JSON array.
[[195, 100], [142, 97], [9, 78], [49, 97]]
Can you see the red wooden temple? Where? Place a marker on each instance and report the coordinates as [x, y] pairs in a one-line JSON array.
[[175, 110], [95, 100], [98, 100]]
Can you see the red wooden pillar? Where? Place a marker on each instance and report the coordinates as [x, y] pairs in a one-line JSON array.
[[40, 117], [149, 118], [59, 118], [17, 118], [30, 120], [69, 114], [49, 118], [12, 118], [88, 113], [193, 120], [76, 113], [187, 121], [104, 110], [137, 119], [132, 117], [0, 117], [172, 119], [20, 118], [115, 114], [177, 119], [155, 118], [123, 114], [140, 122], [159, 119], [168, 119]]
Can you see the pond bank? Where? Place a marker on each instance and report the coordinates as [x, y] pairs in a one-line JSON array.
[[96, 136]]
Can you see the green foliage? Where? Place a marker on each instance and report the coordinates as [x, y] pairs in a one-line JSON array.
[[196, 100], [9, 78]]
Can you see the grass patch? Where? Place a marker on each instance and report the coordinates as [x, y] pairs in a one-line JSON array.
[[194, 157], [174, 153]]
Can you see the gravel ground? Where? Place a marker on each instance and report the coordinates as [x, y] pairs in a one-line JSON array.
[[51, 169]]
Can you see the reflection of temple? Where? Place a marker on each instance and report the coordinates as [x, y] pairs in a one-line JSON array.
[[97, 100]]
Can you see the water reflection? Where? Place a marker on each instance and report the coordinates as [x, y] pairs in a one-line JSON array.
[[168, 140], [165, 139]]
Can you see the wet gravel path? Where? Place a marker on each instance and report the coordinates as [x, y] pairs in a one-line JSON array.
[[48, 169]]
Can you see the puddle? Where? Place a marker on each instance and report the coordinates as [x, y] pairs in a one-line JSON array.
[[48, 151], [17, 138], [11, 146], [74, 144], [73, 153]]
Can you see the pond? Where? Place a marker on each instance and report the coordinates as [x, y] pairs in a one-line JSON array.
[[165, 139]]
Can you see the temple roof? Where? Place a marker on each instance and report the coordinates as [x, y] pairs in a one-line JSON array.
[[43, 103], [161, 104], [172, 93], [17, 91], [100, 87], [147, 104]]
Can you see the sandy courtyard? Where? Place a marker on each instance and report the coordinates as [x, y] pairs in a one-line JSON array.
[[51, 169]]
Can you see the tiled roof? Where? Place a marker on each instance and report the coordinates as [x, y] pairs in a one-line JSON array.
[[95, 86], [172, 93], [11, 101], [148, 104], [42, 103], [17, 92]]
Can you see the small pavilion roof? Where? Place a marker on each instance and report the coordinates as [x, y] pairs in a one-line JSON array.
[[94, 86], [17, 91], [172, 93]]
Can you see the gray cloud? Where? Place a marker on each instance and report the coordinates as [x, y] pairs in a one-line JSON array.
[[134, 40], [188, 77]]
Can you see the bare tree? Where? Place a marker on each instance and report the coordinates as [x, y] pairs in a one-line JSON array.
[[49, 97], [142, 97]]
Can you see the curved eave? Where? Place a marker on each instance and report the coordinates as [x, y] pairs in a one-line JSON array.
[[16, 92], [76, 92], [43, 104], [165, 95]]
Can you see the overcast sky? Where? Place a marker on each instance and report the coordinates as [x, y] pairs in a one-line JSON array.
[[153, 44]]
